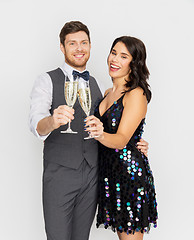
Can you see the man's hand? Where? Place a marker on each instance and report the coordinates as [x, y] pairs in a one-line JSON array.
[[143, 146], [61, 116]]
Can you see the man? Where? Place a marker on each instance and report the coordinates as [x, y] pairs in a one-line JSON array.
[[70, 162]]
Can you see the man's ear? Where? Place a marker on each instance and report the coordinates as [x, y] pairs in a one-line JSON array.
[[62, 48]]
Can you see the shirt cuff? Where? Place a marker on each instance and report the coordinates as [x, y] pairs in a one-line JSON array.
[[33, 127]]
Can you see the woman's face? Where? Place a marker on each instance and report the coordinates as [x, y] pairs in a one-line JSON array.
[[118, 61]]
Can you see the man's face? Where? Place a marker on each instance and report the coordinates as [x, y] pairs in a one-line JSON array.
[[76, 50]]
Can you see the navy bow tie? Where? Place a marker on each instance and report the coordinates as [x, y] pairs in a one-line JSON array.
[[85, 75]]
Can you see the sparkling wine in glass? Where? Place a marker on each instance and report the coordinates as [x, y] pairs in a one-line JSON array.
[[70, 97], [84, 96]]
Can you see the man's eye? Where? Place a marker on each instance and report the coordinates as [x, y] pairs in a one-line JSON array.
[[113, 53]]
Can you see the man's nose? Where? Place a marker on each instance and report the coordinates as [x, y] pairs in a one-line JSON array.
[[79, 47]]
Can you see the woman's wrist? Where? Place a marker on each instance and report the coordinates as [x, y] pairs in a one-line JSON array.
[[100, 137]]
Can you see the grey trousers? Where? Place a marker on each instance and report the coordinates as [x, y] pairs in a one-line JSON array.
[[69, 201]]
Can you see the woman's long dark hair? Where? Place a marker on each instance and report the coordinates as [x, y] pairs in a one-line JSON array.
[[139, 72]]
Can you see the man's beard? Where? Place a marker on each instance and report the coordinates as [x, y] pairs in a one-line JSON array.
[[76, 64]]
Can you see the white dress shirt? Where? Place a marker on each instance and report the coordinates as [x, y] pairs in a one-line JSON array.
[[41, 98]]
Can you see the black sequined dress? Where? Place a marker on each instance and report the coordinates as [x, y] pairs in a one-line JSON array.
[[126, 197]]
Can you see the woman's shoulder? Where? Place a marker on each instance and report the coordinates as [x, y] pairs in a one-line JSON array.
[[136, 94]]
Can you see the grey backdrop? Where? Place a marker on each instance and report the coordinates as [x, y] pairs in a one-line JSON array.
[[30, 45]]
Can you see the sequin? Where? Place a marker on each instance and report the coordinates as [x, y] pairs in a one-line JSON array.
[[107, 187], [118, 196]]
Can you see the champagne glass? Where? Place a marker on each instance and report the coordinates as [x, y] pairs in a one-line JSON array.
[[70, 97], [85, 99]]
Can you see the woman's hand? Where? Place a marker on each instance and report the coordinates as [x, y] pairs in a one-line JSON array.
[[95, 127], [142, 145]]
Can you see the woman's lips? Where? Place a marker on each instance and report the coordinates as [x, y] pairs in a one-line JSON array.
[[114, 67]]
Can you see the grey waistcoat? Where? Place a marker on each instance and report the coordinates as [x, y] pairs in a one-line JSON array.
[[70, 150]]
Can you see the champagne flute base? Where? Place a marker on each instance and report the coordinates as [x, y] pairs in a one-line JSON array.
[[90, 137], [69, 131]]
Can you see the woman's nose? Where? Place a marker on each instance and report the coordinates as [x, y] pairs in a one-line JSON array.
[[115, 58]]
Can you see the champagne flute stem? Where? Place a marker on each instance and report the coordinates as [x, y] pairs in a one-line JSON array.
[[69, 127], [69, 124], [89, 133]]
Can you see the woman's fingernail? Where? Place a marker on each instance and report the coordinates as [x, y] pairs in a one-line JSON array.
[[85, 120]]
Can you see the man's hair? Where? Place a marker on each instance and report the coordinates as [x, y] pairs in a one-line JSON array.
[[72, 27]]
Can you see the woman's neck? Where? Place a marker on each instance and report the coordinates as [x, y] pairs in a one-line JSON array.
[[119, 85]]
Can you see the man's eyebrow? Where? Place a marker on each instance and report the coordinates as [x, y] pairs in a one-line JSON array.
[[76, 40]]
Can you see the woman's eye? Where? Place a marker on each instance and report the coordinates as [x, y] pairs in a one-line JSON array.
[[123, 57]]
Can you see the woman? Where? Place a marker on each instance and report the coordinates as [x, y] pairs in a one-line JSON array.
[[126, 201]]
